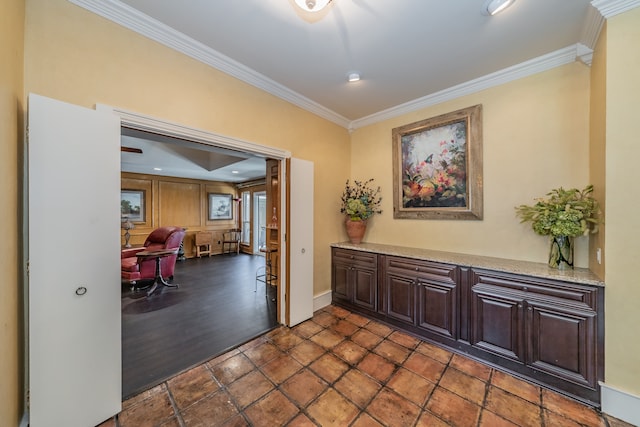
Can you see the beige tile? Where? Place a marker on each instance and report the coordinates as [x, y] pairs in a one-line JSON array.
[[272, 410], [223, 357], [331, 409], [392, 409], [159, 389], [191, 386], [427, 419], [365, 420], [489, 419], [337, 311], [301, 421], [356, 319]]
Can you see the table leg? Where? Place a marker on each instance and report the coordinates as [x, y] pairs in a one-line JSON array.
[[159, 280]]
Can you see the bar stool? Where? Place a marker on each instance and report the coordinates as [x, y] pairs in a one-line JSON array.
[[265, 273]]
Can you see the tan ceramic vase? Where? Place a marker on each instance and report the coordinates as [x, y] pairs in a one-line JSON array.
[[355, 230]]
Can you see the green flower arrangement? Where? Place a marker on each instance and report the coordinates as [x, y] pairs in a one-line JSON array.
[[360, 201], [569, 213]]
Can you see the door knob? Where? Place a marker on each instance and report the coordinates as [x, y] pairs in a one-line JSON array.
[[81, 291], [302, 250]]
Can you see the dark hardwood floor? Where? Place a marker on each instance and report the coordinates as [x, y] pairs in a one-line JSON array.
[[214, 309]]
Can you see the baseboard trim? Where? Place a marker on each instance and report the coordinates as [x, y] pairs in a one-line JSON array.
[[321, 300], [620, 404]]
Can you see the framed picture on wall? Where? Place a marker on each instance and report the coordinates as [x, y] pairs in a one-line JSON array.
[[220, 206], [132, 205], [437, 167]]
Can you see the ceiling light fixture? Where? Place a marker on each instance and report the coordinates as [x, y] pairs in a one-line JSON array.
[[353, 76], [312, 5], [493, 7]]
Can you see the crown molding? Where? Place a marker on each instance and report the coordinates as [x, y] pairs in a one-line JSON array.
[[610, 8], [592, 27], [533, 66], [142, 24]]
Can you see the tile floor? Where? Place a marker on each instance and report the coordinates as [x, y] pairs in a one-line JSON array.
[[341, 369]]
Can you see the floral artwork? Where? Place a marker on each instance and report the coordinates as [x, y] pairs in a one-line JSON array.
[[434, 165], [437, 167]]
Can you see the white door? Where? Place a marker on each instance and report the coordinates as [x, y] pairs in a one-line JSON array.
[[300, 241], [75, 373]]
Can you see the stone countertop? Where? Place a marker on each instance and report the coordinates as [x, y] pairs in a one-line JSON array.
[[577, 275]]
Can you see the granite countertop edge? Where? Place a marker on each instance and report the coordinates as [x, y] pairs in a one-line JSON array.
[[541, 270]]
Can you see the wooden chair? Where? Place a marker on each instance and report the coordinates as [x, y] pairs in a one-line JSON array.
[[203, 242], [231, 239]]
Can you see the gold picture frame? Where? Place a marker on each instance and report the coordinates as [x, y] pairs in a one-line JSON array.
[[437, 167]]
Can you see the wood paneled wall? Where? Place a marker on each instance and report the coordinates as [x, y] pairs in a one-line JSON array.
[[181, 202]]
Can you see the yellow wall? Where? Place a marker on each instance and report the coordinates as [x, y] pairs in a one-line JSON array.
[[535, 138], [11, 105], [598, 145], [622, 369], [75, 56]]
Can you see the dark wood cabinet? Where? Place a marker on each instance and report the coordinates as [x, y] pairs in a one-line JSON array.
[[421, 293], [355, 278], [549, 326], [545, 329]]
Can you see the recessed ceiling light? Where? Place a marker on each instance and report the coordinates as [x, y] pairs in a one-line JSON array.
[[492, 7], [157, 169], [353, 76], [235, 172]]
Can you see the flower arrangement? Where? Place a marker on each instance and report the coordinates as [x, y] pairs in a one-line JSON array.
[[360, 201], [568, 213]]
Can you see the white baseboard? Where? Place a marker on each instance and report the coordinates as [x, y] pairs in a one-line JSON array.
[[620, 404], [321, 300]]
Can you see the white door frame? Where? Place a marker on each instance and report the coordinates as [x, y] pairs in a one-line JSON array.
[[142, 122]]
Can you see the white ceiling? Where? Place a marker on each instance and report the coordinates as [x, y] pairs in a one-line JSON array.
[[409, 52]]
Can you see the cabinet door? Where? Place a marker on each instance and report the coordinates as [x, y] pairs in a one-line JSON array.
[[497, 322], [563, 342], [340, 282], [400, 297], [365, 285], [437, 308]]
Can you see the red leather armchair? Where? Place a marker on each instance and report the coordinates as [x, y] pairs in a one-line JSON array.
[[135, 270]]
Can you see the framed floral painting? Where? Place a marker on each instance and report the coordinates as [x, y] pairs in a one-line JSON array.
[[437, 167]]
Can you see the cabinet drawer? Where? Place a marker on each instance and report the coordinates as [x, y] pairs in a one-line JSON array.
[[361, 258], [422, 269]]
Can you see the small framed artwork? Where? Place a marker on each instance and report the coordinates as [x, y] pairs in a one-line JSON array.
[[437, 167], [220, 206], [132, 205]]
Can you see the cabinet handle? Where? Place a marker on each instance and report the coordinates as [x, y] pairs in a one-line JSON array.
[[417, 268], [519, 305], [351, 257], [530, 308]]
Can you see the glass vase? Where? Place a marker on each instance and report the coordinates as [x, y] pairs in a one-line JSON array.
[[561, 252]]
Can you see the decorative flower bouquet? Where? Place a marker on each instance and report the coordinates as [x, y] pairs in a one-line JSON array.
[[564, 214], [360, 201]]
